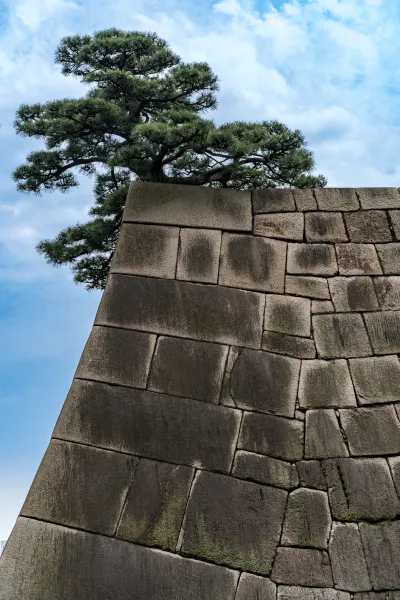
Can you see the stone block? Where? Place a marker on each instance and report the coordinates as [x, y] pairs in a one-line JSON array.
[[117, 356], [198, 257], [370, 226], [395, 221], [59, 562], [311, 259], [304, 199], [379, 197], [272, 200], [254, 263], [288, 314], [322, 307], [187, 368], [349, 568], [372, 430], [341, 336], [155, 504], [384, 331], [394, 464], [325, 227], [265, 470], [265, 382], [253, 587], [339, 199], [360, 489], [358, 259], [204, 312], [285, 226], [233, 522], [308, 593], [311, 287], [151, 425], [192, 206], [353, 294], [311, 474], [274, 436], [325, 384], [377, 596], [79, 487], [388, 292], [307, 519], [376, 379], [302, 566], [381, 543], [323, 436], [298, 347], [389, 255]]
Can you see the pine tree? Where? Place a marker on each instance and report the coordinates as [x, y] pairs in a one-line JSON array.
[[140, 121]]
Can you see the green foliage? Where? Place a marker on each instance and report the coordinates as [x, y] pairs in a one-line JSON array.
[[140, 121]]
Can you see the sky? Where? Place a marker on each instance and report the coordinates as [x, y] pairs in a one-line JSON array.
[[327, 67]]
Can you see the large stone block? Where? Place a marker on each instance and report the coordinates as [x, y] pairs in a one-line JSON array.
[[204, 312], [384, 331], [291, 345], [233, 522], [253, 587], [302, 566], [193, 206], [311, 259], [341, 336], [272, 200], [389, 255], [63, 564], [395, 221], [285, 226], [340, 199], [353, 294], [307, 519], [325, 227], [388, 292], [311, 287], [265, 470], [349, 568], [323, 436], [376, 379], [117, 356], [254, 263], [372, 430], [311, 474], [381, 543], [358, 259], [151, 425], [394, 464], [304, 199], [377, 596], [274, 436], [379, 197], [187, 368], [325, 384], [368, 226], [308, 593], [288, 314], [198, 257]]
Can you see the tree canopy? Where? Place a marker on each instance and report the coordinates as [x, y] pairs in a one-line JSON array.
[[140, 120]]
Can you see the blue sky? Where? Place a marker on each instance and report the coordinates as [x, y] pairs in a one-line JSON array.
[[327, 67]]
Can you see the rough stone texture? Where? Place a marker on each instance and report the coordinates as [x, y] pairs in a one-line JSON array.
[[389, 255], [394, 464], [371, 431], [307, 519], [311, 474], [376, 379], [341, 336], [395, 220], [253, 587], [254, 263], [343, 199], [358, 259], [188, 368], [272, 200], [325, 227], [323, 436], [322, 307], [388, 292], [377, 596], [117, 356], [308, 593], [311, 259], [325, 384], [349, 568], [298, 347], [379, 197], [369, 226], [229, 521], [146, 250], [288, 314], [384, 331], [353, 294], [286, 226], [302, 566], [198, 257], [381, 543], [273, 436], [311, 287], [304, 199], [265, 469]]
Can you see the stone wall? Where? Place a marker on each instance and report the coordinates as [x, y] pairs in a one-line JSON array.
[[233, 428]]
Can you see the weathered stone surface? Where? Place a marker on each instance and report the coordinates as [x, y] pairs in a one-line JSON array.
[[381, 543], [373, 430], [384, 331], [358, 259], [302, 566], [307, 593], [117, 356], [368, 226], [353, 294], [151, 425], [272, 200], [341, 336], [322, 307], [80, 487], [198, 257], [253, 587], [288, 314], [264, 381], [377, 596], [304, 199], [311, 474], [273, 436], [298, 347], [286, 226], [360, 489], [254, 263], [325, 227], [395, 220], [379, 197], [342, 199], [198, 206], [389, 255], [265, 469], [394, 464], [388, 292], [376, 379], [311, 287], [307, 519], [233, 522], [325, 384], [349, 568], [209, 313], [155, 504], [323, 436], [187, 368], [65, 564], [311, 259]]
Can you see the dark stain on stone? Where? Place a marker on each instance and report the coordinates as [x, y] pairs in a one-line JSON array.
[[314, 255], [198, 256], [251, 256]]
